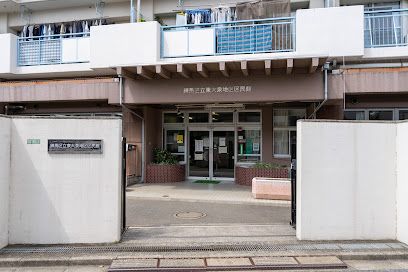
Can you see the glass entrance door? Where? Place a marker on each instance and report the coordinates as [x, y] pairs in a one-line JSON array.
[[199, 153], [223, 154], [211, 153]]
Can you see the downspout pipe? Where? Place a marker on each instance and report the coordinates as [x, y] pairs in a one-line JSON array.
[[132, 12], [326, 68], [121, 82]]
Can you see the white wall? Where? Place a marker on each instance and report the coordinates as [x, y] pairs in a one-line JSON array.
[[64, 198], [402, 183], [346, 180], [125, 44], [4, 178], [335, 32], [8, 53]]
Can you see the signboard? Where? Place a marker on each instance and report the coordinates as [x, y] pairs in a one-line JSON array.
[[62, 146], [218, 90], [33, 141]]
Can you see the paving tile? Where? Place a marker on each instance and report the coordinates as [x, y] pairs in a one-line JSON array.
[[274, 260], [86, 269], [228, 262], [134, 263], [321, 260], [182, 263], [378, 264]]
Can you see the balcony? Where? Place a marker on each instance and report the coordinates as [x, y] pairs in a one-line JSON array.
[[385, 28], [53, 49], [239, 37]]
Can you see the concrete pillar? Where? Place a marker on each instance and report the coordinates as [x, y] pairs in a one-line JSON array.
[[316, 4], [3, 23], [267, 134]]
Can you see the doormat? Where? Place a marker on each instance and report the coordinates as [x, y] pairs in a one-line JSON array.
[[206, 181]]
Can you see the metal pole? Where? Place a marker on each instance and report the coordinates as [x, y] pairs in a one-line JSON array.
[[132, 11], [139, 19]]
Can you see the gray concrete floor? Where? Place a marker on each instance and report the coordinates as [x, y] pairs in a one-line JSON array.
[[144, 212]]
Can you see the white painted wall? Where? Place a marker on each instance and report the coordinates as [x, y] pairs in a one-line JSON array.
[[402, 183], [125, 44], [385, 53], [4, 178], [8, 53], [346, 180], [64, 198], [335, 32]]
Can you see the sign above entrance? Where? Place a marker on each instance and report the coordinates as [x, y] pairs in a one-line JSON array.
[[218, 90], [58, 146]]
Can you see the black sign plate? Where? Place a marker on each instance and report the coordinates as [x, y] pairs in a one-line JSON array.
[[59, 146]]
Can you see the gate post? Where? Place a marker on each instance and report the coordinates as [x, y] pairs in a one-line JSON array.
[[293, 183]]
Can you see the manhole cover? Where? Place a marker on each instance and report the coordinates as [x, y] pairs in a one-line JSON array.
[[189, 215]]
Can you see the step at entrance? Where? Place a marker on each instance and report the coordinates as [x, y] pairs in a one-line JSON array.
[[227, 264]]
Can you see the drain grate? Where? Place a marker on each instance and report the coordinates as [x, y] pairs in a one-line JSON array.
[[190, 215], [215, 248]]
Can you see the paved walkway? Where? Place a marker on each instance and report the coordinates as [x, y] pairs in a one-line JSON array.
[[196, 192], [148, 212]]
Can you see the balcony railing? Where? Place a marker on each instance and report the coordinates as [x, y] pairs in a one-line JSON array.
[[239, 37], [386, 28], [53, 49]]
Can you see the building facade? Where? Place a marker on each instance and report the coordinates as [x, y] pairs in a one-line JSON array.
[[214, 84]]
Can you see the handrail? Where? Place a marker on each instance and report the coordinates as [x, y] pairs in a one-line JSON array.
[[231, 22], [70, 35], [384, 11]]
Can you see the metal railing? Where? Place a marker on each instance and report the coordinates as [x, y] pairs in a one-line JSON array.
[[386, 28], [44, 50], [240, 37]]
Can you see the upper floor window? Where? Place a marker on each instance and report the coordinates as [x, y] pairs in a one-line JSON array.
[[383, 28]]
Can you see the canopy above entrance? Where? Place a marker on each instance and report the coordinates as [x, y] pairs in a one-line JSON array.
[[243, 66]]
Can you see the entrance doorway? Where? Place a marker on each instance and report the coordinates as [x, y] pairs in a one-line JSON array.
[[211, 153]]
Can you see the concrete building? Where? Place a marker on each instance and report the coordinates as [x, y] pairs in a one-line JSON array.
[[216, 94]]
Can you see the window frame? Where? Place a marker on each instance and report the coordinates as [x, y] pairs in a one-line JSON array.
[[288, 129]]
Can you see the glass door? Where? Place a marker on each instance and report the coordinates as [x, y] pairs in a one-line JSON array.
[[199, 153], [223, 154]]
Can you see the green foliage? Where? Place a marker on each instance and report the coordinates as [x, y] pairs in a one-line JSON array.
[[161, 156], [267, 165]]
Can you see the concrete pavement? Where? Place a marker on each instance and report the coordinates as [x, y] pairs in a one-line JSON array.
[[225, 192], [147, 212]]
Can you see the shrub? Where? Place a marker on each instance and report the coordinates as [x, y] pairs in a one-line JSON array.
[[268, 165], [161, 156]]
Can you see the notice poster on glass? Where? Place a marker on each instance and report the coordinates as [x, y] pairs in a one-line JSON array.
[[198, 157], [180, 138], [180, 149], [223, 150], [199, 146], [255, 147], [206, 142], [222, 142]]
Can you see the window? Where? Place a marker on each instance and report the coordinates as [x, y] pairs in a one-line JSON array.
[[173, 118], [354, 115], [382, 29], [198, 117], [249, 117], [175, 142], [249, 144], [284, 129], [402, 114], [222, 117], [380, 115]]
